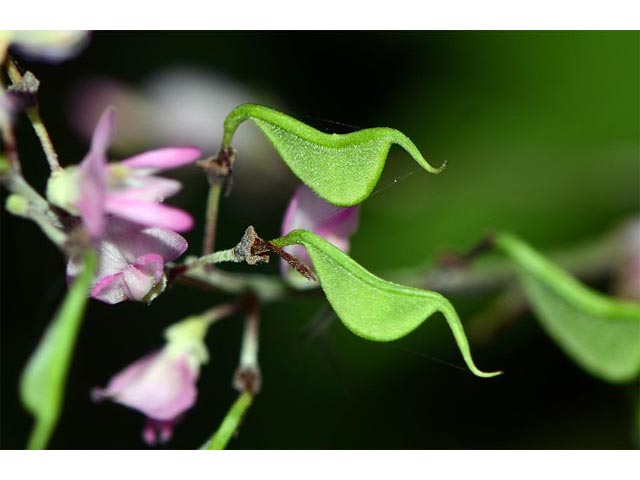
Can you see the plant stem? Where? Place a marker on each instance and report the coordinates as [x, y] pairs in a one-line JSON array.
[[38, 209], [220, 256], [219, 312], [268, 288], [249, 351], [36, 120], [588, 262], [230, 423], [218, 170], [213, 202], [247, 377]]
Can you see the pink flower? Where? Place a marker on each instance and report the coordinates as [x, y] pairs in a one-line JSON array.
[[128, 189], [131, 261], [161, 385], [307, 211], [627, 274]]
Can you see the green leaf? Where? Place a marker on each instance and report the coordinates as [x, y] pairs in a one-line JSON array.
[[43, 381], [371, 307], [599, 333], [342, 169], [230, 423]]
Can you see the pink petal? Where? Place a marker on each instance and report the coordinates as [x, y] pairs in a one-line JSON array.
[[109, 289], [151, 214], [91, 202], [309, 212], [140, 278], [126, 377], [169, 245], [149, 189], [161, 385], [342, 223], [103, 133], [131, 260], [93, 174], [290, 221], [163, 158], [125, 242]]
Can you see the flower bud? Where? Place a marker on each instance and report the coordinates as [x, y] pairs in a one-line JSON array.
[[307, 211]]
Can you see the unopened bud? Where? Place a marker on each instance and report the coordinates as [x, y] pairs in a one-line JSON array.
[[17, 205]]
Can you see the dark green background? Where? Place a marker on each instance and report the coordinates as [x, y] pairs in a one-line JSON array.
[[541, 132]]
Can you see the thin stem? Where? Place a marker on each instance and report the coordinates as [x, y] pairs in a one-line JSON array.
[[191, 331], [213, 258], [589, 262], [213, 202], [249, 350], [249, 249], [268, 288], [37, 208], [218, 170], [20, 206], [247, 377], [230, 423], [36, 120], [219, 312], [47, 145]]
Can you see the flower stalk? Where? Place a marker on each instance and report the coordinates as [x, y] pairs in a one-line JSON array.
[[218, 171], [28, 84], [247, 377]]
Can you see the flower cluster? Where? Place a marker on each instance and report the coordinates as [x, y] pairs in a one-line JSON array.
[[162, 385], [120, 205]]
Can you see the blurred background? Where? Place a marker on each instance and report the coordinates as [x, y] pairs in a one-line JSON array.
[[541, 131]]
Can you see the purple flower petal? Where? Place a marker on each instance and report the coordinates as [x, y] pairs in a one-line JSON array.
[[163, 158], [141, 277], [103, 133], [127, 376], [148, 213], [307, 211], [169, 245], [128, 252], [93, 174], [160, 385], [109, 289], [149, 189], [131, 242]]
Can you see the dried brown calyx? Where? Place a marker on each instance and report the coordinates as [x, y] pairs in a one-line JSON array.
[[219, 169], [253, 249]]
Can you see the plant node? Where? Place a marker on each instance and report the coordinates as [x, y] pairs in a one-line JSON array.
[[219, 169]]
